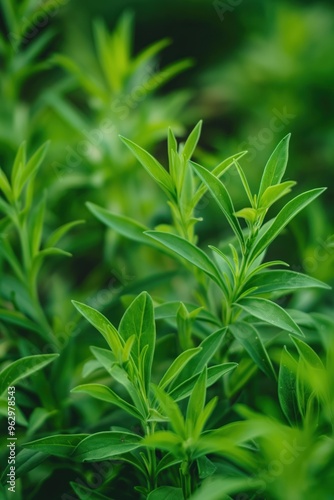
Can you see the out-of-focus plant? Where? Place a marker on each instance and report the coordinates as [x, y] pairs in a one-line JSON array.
[[23, 47]]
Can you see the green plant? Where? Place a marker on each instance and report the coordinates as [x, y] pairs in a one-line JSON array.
[[236, 318]]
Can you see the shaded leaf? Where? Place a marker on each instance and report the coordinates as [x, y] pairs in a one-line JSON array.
[[22, 368], [250, 339]]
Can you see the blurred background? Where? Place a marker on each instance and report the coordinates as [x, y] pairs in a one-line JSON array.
[[80, 72]]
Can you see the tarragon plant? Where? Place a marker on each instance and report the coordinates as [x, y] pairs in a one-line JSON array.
[[174, 426]]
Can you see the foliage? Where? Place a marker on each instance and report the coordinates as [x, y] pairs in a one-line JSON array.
[[207, 279]]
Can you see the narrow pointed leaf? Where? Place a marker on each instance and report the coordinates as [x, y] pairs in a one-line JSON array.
[[272, 313], [138, 320], [208, 347], [273, 280], [103, 393], [171, 410], [22, 368], [214, 373], [104, 445], [191, 142], [102, 324], [276, 165], [274, 193], [222, 197], [188, 251], [61, 445], [287, 387], [250, 339], [177, 366], [196, 401], [151, 165], [291, 209]]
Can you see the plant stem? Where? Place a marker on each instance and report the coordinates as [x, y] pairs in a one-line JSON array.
[[185, 478]]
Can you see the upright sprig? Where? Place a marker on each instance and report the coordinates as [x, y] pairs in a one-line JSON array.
[[23, 214], [238, 269], [182, 436]]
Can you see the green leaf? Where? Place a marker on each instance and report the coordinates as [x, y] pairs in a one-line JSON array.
[[22, 368], [205, 467], [152, 166], [274, 193], [184, 389], [272, 313], [166, 493], [217, 171], [171, 410], [188, 251], [308, 354], [149, 52], [276, 165], [249, 214], [103, 325], [32, 166], [222, 197], [61, 445], [208, 348], [191, 142], [164, 440], [123, 225], [19, 163], [250, 339], [5, 186], [167, 73], [138, 320], [104, 445], [291, 209], [103, 393], [270, 281], [217, 488], [84, 493], [60, 232], [177, 366], [168, 310], [37, 221], [25, 461], [287, 387], [196, 403], [16, 318]]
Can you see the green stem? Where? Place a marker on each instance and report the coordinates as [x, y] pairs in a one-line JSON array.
[[152, 460], [185, 478]]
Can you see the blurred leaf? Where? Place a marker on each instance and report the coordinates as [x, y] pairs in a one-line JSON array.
[[60, 446], [166, 493], [104, 445], [287, 388], [103, 393], [54, 238], [22, 368], [83, 493]]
